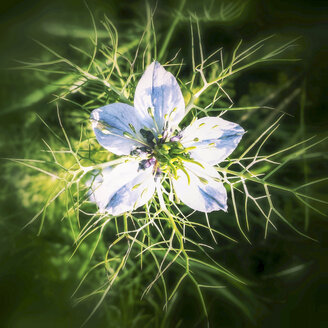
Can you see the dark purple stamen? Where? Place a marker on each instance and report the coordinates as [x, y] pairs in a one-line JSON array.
[[158, 173], [146, 163], [165, 133], [140, 151], [152, 161], [176, 138]]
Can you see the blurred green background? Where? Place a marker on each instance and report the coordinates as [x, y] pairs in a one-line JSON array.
[[37, 281]]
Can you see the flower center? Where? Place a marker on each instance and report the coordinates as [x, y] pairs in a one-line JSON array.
[[170, 156], [166, 155]]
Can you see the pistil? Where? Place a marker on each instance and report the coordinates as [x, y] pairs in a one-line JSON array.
[[166, 155]]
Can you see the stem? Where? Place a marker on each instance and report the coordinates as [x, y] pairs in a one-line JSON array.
[[174, 226], [170, 32], [125, 220], [247, 177]]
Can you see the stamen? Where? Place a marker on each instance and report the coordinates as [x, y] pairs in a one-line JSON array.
[[185, 172], [170, 156], [103, 127], [175, 172], [127, 135], [136, 186], [105, 131], [141, 151], [146, 163], [143, 192], [191, 161], [150, 111], [190, 148], [203, 180], [132, 128]]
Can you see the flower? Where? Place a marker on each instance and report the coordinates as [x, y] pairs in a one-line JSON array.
[[148, 133]]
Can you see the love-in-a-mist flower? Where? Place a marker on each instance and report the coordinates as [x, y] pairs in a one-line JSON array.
[[148, 133]]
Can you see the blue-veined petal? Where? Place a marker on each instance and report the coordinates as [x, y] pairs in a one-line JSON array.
[[201, 189], [123, 188], [214, 138], [117, 127], [159, 90]]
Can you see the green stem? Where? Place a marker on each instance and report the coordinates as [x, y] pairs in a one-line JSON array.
[[170, 32], [125, 223], [174, 228], [247, 177]]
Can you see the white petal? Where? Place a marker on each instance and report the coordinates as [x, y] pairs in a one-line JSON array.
[[123, 188], [202, 192], [214, 138], [111, 122], [159, 90], [94, 182]]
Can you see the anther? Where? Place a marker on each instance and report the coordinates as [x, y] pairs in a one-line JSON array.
[[127, 134], [132, 128], [176, 138], [136, 186], [150, 112], [203, 180]]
